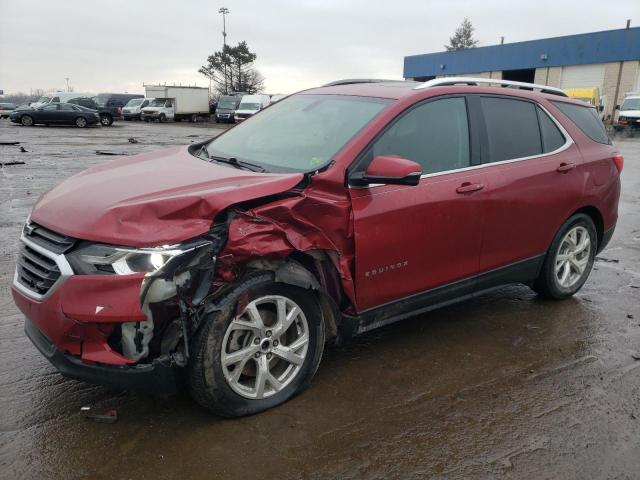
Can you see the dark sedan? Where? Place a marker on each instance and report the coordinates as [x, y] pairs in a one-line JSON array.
[[55, 114]]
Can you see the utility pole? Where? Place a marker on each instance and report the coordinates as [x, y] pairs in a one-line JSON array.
[[224, 11], [67, 80]]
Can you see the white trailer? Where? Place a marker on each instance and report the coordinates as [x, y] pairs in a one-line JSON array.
[[177, 103]]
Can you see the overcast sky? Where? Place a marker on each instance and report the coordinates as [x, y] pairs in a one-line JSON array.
[[116, 45]]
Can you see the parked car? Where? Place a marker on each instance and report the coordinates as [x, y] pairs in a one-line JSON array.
[[629, 113], [6, 109], [58, 97], [86, 102], [133, 109], [226, 108], [250, 105], [55, 114], [176, 103], [111, 105], [335, 211]]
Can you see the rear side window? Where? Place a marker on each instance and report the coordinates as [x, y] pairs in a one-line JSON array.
[[552, 138], [512, 128], [586, 119], [434, 134]]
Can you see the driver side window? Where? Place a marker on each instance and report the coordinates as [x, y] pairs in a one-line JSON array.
[[434, 134], [50, 108]]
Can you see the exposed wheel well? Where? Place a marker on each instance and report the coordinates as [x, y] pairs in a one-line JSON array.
[[596, 216]]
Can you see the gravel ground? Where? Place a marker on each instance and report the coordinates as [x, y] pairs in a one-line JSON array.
[[503, 386]]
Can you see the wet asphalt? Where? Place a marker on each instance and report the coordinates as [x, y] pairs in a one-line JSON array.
[[503, 386]]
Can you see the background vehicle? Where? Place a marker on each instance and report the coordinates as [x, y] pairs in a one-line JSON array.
[[176, 103], [335, 211], [133, 109], [59, 97], [591, 95], [226, 108], [55, 114], [6, 109], [629, 112], [111, 105], [86, 102], [250, 105]]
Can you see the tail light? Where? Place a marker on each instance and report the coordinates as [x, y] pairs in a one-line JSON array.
[[618, 160], [119, 110]]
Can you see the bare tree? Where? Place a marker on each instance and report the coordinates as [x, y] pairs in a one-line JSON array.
[[231, 70], [463, 38]]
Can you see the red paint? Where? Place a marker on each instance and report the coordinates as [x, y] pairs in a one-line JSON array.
[[392, 166], [386, 242]]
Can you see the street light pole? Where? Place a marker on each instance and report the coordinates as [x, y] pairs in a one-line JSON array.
[[224, 11], [67, 80]]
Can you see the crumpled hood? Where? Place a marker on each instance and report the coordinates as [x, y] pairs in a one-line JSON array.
[[158, 198]]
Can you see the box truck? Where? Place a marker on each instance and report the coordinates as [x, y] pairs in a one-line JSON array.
[[175, 103]]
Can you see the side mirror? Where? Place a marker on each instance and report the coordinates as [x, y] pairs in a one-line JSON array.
[[389, 170]]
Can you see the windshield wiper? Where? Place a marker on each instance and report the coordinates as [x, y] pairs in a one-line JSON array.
[[236, 163]]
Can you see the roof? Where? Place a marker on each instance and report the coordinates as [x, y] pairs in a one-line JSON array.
[[586, 48], [391, 89]]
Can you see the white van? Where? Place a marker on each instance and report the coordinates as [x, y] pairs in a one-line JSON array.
[[250, 105], [60, 97]]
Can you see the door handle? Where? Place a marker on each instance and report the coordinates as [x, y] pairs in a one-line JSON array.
[[565, 167], [468, 187]]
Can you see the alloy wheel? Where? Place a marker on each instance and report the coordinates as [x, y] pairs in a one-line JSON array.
[[265, 347], [573, 256]]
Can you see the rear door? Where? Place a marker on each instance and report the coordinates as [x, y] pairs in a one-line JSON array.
[[533, 182], [411, 239]]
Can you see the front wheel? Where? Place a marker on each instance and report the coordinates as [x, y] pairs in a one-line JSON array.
[[162, 118], [249, 362], [26, 120], [569, 260], [81, 122]]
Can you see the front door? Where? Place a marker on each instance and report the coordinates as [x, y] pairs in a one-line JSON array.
[[48, 113], [410, 239]]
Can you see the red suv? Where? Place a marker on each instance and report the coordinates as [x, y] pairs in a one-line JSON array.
[[332, 212]]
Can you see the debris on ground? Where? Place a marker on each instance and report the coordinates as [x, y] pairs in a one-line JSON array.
[[104, 152], [9, 143], [635, 356], [15, 162], [193, 136], [630, 316], [132, 140], [111, 416], [22, 149], [608, 260]]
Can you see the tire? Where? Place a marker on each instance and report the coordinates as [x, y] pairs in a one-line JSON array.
[[106, 120], [193, 118], [81, 122], [217, 121], [26, 120], [210, 382], [162, 118], [577, 241]]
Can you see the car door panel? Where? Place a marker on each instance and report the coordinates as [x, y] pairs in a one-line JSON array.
[[412, 239]]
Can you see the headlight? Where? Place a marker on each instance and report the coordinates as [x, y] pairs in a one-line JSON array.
[[98, 259]]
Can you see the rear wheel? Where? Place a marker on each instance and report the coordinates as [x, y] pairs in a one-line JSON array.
[[81, 122], [26, 120], [106, 120], [193, 118], [248, 362], [569, 260]]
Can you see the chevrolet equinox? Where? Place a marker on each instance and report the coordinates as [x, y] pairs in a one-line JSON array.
[[229, 264]]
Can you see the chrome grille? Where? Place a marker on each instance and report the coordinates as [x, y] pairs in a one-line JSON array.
[[52, 241], [35, 271]]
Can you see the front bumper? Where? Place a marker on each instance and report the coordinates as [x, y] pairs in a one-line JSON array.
[[158, 378]]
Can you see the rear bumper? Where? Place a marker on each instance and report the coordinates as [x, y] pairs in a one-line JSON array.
[[157, 378]]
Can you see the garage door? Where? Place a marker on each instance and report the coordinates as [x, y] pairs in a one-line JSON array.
[[583, 76]]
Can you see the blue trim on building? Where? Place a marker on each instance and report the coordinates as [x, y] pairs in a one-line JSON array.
[[582, 49]]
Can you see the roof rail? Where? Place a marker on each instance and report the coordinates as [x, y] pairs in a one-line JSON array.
[[351, 81], [437, 82]]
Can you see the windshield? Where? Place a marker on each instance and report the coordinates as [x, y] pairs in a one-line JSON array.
[[631, 104], [44, 100], [301, 133], [227, 104], [134, 102], [159, 102], [249, 106]]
